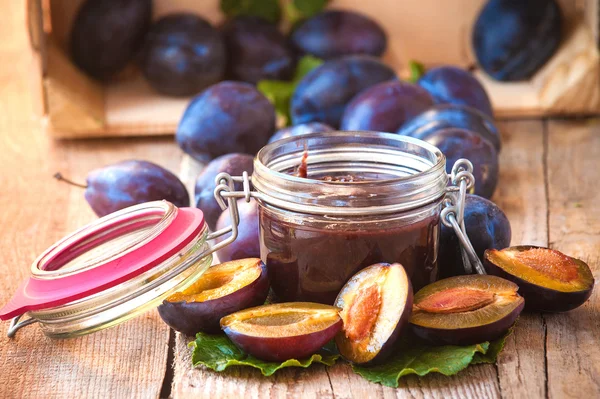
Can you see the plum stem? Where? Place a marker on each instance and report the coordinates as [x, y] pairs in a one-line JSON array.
[[58, 176]]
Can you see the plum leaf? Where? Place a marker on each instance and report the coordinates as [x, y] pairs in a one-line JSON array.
[[298, 10], [266, 9], [416, 71], [218, 353]]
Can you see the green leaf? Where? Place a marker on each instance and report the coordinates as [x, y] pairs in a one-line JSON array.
[[267, 9], [279, 92], [218, 353], [299, 10], [493, 351], [416, 71]]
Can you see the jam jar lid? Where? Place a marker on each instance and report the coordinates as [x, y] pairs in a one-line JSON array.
[[116, 258]]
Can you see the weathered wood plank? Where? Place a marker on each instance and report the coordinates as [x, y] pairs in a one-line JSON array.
[[573, 353], [521, 194]]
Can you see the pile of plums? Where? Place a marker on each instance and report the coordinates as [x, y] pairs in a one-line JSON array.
[[377, 306]]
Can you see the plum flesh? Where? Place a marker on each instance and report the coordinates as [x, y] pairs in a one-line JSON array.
[[283, 331], [376, 304], [223, 289], [465, 310], [549, 280]]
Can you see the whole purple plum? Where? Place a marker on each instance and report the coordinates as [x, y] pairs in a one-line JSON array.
[[448, 84], [257, 50], [247, 244], [235, 165], [128, 183], [385, 107], [298, 130], [225, 118], [322, 95], [487, 227], [460, 143], [107, 34], [335, 33], [182, 55]]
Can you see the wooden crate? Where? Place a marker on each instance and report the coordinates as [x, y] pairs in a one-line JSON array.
[[431, 31]]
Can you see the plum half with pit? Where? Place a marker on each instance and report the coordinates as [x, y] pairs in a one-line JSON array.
[[293, 330], [107, 34], [247, 244], [442, 116], [452, 85], [322, 95], [299, 130], [376, 304], [233, 164], [229, 117], [465, 310], [487, 227], [223, 289], [257, 50], [461, 143], [128, 183], [549, 280], [385, 107], [182, 55], [336, 33]]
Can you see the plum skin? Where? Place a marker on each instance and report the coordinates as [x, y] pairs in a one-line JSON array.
[[190, 318], [132, 182], [247, 244], [452, 115], [182, 55], [385, 107], [513, 39], [257, 50], [106, 35], [460, 143], [336, 33], [537, 298], [233, 164], [487, 228], [298, 130], [229, 117], [448, 84], [322, 95], [281, 349]]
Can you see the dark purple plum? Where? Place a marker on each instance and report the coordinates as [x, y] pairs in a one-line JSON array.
[[335, 33], [128, 183], [487, 227], [182, 55], [298, 130], [247, 244], [376, 304], [465, 310], [549, 280], [282, 331], [452, 115], [222, 290], [235, 165], [322, 95], [452, 85], [257, 50], [460, 143], [229, 117], [513, 39], [385, 107], [107, 34]]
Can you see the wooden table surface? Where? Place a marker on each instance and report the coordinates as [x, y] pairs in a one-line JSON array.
[[549, 188]]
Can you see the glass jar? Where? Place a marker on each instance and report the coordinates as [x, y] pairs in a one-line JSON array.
[[316, 232]]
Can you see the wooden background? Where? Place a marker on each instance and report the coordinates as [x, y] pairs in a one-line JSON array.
[[549, 188]]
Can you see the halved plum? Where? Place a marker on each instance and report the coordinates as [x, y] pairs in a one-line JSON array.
[[465, 310], [376, 304], [223, 289], [549, 280], [292, 330]]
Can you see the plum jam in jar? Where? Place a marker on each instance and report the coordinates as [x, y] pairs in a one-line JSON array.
[[367, 197]]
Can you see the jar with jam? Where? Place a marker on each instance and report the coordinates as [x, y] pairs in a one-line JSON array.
[[364, 198]]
